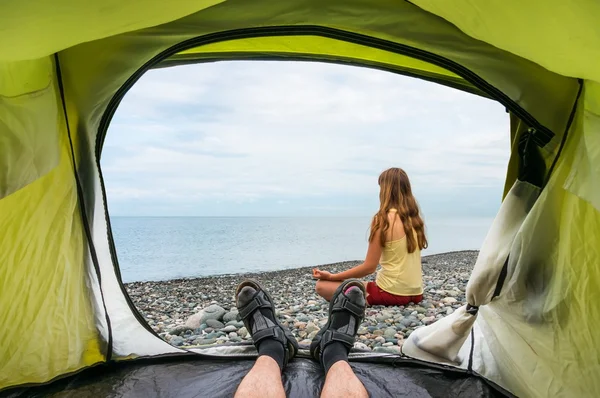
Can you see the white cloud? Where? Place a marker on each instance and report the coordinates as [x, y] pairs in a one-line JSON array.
[[246, 131]]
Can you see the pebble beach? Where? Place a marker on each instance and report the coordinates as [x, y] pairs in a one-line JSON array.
[[201, 311]]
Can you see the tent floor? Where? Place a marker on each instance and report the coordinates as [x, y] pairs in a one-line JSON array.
[[220, 378]]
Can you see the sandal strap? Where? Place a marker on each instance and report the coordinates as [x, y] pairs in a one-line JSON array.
[[259, 301], [331, 336], [342, 303], [273, 332]]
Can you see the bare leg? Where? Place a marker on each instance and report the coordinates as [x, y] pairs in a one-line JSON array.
[[342, 382], [326, 289], [263, 380]]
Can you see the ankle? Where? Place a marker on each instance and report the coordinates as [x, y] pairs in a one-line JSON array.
[[334, 353]]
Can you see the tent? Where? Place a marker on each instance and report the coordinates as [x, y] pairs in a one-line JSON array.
[[531, 326]]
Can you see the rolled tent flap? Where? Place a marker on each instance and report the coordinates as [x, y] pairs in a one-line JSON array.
[[443, 340], [29, 145]]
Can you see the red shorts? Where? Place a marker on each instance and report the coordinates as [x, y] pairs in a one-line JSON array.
[[377, 296]]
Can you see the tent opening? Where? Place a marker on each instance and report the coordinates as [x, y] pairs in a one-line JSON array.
[[269, 168]]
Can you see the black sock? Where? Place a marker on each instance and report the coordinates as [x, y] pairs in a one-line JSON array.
[[333, 353], [274, 349], [269, 346], [345, 322]]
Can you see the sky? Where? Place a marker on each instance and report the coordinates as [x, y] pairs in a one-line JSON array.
[[299, 139]]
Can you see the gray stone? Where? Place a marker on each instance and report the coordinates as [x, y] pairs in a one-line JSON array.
[[179, 330], [229, 328], [213, 311], [311, 327], [362, 330], [213, 323], [230, 316], [176, 341], [383, 316], [380, 339], [206, 341], [449, 300], [243, 332], [449, 310], [420, 310], [389, 332], [387, 344], [235, 339], [237, 324], [428, 320], [232, 334], [388, 350], [392, 340], [361, 346]]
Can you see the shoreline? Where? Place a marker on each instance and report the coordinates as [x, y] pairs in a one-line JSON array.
[[305, 267], [167, 305]]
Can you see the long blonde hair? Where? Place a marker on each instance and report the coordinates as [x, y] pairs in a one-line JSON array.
[[395, 193]]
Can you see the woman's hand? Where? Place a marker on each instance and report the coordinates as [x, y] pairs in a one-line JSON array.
[[322, 275]]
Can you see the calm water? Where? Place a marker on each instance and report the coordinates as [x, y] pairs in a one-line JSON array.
[[161, 248]]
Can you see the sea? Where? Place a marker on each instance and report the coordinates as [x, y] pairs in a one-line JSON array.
[[163, 248]]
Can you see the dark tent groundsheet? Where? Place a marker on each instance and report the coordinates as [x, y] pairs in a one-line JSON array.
[[303, 377]]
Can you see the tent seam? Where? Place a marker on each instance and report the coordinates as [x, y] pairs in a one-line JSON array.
[[93, 254]]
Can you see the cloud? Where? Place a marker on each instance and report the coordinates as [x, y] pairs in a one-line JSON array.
[[256, 132]]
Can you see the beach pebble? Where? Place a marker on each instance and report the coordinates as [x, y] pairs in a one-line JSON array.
[[383, 316], [206, 341], [170, 306], [230, 316], [311, 327], [388, 350], [300, 325], [213, 311], [361, 346], [213, 323], [389, 332], [177, 330]]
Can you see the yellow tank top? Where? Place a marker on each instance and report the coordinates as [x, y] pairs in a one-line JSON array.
[[400, 272]]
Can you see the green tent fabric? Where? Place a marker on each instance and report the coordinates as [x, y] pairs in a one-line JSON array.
[[533, 315]]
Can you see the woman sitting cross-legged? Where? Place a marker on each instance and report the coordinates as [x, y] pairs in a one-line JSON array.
[[396, 238]]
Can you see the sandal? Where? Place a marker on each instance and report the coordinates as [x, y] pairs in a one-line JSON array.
[[262, 299], [328, 335]]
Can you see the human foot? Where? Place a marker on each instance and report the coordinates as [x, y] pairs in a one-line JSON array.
[[257, 311], [346, 312]]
